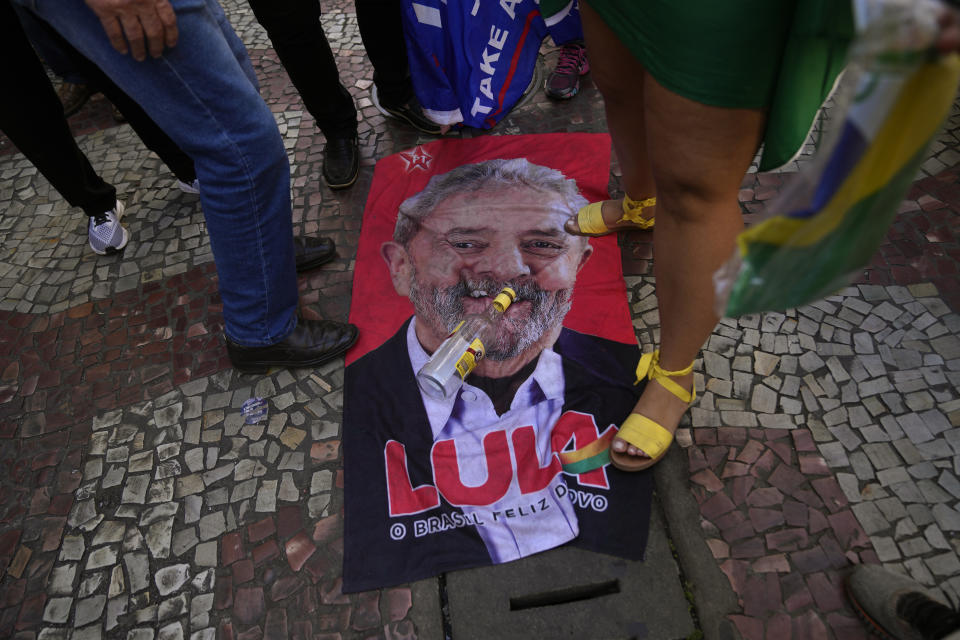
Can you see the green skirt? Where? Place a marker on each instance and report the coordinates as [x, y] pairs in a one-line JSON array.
[[724, 54], [779, 55]]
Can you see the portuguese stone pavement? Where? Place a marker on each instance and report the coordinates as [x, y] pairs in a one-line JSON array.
[[136, 502]]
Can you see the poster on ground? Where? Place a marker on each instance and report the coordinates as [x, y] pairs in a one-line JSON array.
[[515, 462]]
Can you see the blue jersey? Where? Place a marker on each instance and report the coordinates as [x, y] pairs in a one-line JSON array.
[[471, 60]]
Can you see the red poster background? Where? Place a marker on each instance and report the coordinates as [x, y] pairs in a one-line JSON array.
[[599, 302]]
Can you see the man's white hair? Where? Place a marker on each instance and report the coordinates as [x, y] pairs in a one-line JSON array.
[[474, 177]]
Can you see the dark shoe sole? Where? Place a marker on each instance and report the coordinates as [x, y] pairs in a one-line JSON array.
[[264, 365], [400, 115], [303, 267], [109, 251], [431, 128], [342, 185], [562, 96]]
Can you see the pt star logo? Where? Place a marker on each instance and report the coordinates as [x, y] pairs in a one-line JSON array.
[[416, 158]]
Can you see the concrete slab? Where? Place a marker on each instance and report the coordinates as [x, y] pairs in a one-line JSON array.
[[426, 613], [572, 593]]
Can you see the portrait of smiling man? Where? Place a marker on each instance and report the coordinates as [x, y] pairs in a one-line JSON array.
[[490, 474], [476, 230]]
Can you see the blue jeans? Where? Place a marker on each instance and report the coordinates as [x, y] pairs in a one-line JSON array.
[[203, 93]]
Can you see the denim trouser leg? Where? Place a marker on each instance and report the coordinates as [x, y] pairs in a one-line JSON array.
[[203, 97], [234, 42], [152, 136]]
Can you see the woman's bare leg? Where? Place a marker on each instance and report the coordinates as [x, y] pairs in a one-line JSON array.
[[693, 157], [698, 156], [619, 76]]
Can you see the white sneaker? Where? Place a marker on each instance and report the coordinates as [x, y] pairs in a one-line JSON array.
[[189, 187], [105, 232]]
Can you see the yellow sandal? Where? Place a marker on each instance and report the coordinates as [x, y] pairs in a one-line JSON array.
[[642, 432], [590, 218]]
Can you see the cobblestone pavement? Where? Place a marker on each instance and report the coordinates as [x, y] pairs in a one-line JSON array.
[[138, 504]]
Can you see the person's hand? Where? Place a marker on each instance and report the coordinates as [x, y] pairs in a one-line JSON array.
[[134, 26], [949, 38]]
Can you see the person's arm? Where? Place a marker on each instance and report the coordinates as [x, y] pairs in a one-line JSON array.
[[142, 24]]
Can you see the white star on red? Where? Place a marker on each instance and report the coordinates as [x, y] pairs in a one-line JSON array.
[[416, 158]]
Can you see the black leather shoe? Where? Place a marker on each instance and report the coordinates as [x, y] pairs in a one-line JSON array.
[[411, 112], [312, 343], [341, 161], [73, 96], [310, 253]]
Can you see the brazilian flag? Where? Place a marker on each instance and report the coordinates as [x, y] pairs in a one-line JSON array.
[[811, 251]]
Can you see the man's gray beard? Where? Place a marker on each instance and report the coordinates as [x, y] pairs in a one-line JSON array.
[[442, 310]]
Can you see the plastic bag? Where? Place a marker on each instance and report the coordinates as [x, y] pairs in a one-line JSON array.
[[828, 222]]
